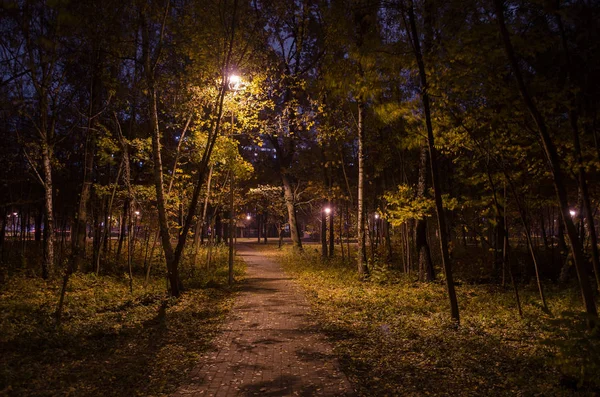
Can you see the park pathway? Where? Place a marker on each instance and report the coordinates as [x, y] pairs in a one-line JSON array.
[[268, 346]]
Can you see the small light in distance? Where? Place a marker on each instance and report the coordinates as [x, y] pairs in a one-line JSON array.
[[572, 212], [327, 210]]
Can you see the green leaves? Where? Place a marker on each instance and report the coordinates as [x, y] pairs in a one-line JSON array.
[[403, 204]]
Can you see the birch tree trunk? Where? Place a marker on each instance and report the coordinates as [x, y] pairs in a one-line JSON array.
[[48, 262], [363, 270]]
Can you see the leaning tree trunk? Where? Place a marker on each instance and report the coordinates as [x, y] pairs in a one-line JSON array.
[[585, 197], [434, 169], [574, 119], [163, 223], [527, 235], [554, 164], [150, 59]]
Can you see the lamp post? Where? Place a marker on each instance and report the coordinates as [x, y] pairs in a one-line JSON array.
[[324, 214], [15, 216], [235, 83], [331, 232], [376, 229]]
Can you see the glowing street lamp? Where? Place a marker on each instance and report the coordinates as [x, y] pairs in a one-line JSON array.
[[248, 217], [327, 210], [572, 212], [235, 82]]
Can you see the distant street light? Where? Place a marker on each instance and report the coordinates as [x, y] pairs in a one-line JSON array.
[[327, 210], [248, 217], [376, 216], [572, 212]]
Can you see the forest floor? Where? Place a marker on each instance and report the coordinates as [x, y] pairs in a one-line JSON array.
[[394, 337], [111, 342], [391, 335]]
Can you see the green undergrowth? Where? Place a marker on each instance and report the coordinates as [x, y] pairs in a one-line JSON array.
[[394, 336], [111, 342]]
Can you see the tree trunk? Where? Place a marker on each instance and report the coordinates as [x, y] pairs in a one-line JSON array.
[[163, 223], [529, 240], [543, 231], [583, 185], [48, 261], [80, 229], [443, 233], [588, 212], [123, 230], [323, 234], [341, 218], [331, 231], [265, 226], [218, 228], [554, 164], [363, 270], [258, 226], [38, 226], [231, 228], [280, 228], [506, 260], [425, 265], [290, 204], [388, 242]]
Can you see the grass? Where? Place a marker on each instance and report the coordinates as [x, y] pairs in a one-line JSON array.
[[111, 342], [394, 336]]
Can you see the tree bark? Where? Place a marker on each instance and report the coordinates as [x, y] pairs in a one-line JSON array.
[[48, 261], [122, 230], [363, 270], [324, 253], [425, 265], [331, 231], [290, 204]]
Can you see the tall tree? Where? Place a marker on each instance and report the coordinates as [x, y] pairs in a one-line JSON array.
[[433, 157], [552, 158]]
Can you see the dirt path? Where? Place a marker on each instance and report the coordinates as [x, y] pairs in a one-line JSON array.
[[268, 346]]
